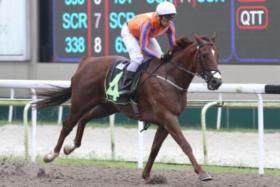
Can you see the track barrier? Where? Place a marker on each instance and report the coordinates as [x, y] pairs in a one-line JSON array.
[[257, 89]]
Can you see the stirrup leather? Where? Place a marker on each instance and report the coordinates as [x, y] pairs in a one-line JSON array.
[[126, 82]]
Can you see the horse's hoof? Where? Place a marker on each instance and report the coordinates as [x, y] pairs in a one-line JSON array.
[[50, 157], [147, 180], [68, 149], [157, 179], [146, 177], [205, 177]]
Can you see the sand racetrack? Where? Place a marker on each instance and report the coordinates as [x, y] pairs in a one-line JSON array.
[[19, 173]]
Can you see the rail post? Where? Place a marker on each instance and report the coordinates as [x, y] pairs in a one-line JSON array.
[[11, 107], [203, 127], [140, 144], [260, 134], [25, 124], [112, 127]]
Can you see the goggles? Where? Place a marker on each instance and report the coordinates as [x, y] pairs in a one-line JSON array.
[[169, 16]]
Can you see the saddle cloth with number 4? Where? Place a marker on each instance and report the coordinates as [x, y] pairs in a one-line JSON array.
[[113, 83], [114, 79]]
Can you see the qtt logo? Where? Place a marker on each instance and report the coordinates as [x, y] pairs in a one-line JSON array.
[[252, 17]]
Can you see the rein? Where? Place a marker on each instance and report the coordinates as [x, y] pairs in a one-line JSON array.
[[185, 70], [198, 59], [177, 66], [171, 83]]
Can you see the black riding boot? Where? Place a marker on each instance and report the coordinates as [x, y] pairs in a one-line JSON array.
[[127, 81]]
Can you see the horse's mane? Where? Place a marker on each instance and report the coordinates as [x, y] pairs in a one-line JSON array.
[[182, 43], [205, 38]]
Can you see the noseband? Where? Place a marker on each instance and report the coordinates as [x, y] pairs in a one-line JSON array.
[[206, 73]]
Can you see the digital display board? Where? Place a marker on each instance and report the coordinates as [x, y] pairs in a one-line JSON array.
[[247, 30]]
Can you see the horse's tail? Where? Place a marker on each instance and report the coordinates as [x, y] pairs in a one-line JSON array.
[[53, 97]]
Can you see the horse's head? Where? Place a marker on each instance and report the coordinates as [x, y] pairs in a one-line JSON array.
[[207, 59]]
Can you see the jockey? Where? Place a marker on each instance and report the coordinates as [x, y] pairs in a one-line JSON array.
[[139, 38]]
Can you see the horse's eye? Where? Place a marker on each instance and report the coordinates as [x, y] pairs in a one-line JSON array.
[[204, 56]]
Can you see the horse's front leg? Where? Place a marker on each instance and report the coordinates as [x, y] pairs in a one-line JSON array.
[[173, 128], [160, 136]]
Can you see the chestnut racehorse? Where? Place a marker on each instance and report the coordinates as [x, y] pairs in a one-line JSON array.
[[161, 94]]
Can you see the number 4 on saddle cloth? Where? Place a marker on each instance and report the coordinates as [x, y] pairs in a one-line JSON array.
[[114, 80]]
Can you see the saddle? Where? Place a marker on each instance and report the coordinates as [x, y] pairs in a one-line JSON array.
[[114, 79]]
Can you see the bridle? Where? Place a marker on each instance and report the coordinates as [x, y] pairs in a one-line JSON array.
[[206, 73]]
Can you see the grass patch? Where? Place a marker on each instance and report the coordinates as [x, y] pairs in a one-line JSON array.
[[156, 166], [163, 166]]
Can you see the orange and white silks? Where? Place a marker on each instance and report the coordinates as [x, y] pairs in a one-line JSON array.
[[145, 27]]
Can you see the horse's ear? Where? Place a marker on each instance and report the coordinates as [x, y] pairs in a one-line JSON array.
[[214, 36], [198, 39]]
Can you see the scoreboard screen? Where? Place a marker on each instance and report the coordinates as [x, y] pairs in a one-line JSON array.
[[247, 30]]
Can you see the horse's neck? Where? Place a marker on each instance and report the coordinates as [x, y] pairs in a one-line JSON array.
[[183, 68], [171, 70]]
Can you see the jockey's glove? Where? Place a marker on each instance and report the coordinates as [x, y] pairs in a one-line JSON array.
[[166, 57]]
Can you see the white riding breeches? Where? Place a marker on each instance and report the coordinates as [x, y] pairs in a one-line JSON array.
[[133, 47]]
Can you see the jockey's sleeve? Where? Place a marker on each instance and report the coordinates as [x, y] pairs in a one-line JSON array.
[[144, 41], [171, 35]]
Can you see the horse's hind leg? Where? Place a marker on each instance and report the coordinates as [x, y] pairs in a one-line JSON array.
[[160, 136], [67, 127], [99, 111]]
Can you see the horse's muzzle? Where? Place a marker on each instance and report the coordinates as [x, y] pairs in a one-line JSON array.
[[215, 81]]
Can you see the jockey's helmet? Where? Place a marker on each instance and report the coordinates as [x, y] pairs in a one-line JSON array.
[[165, 8]]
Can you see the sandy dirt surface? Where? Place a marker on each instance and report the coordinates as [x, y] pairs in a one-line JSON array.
[[239, 149], [24, 174]]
